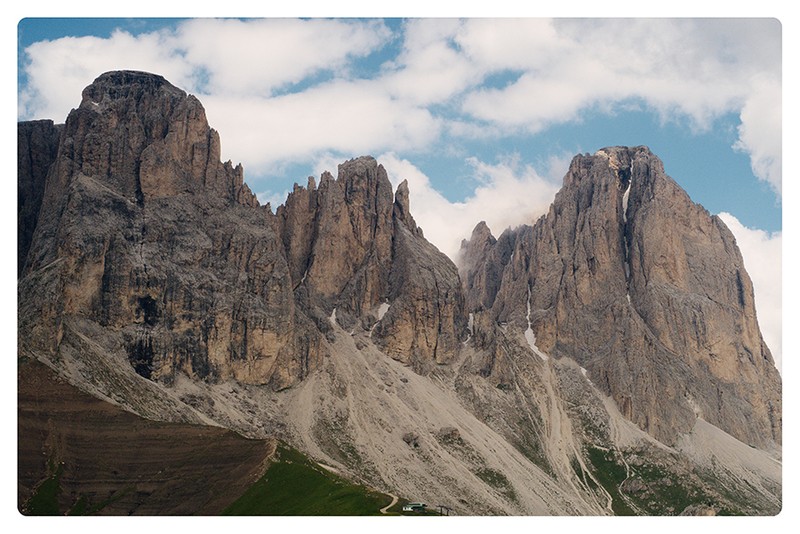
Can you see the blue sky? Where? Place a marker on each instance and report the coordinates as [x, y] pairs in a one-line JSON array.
[[480, 116], [699, 157]]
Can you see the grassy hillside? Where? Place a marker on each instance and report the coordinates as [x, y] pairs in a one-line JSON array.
[[294, 485]]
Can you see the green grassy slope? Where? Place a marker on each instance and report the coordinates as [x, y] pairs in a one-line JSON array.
[[294, 485]]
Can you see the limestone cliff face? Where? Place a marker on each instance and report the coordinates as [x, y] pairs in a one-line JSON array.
[[426, 320], [483, 259], [37, 146], [644, 289], [355, 254], [144, 231], [338, 238], [141, 231]]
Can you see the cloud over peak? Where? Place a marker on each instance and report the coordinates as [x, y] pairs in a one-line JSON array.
[[434, 73]]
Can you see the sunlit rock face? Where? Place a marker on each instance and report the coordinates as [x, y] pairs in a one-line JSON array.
[[642, 287], [143, 231], [354, 247], [139, 227]]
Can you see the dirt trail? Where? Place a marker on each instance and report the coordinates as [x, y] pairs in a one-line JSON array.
[[385, 509]]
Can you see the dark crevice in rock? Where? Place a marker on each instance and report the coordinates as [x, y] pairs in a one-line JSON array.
[[141, 356]]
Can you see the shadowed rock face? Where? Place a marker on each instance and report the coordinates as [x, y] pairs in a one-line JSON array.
[[37, 146], [643, 288]]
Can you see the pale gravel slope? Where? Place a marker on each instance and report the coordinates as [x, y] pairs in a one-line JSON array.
[[375, 401], [713, 449]]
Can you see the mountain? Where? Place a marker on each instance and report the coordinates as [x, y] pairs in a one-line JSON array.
[[645, 290], [605, 359]]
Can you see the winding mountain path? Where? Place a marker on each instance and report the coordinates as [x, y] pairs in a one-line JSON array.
[[385, 509]]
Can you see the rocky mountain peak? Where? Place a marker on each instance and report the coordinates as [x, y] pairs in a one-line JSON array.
[[621, 157], [127, 85], [353, 247], [480, 234], [166, 248], [159, 245], [402, 208], [148, 139], [643, 288]]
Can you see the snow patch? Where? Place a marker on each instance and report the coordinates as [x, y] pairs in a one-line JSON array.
[[470, 324], [530, 337], [382, 309], [695, 408], [332, 318], [586, 376], [625, 197]]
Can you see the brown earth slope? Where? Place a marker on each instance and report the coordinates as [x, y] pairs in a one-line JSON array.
[[113, 462]]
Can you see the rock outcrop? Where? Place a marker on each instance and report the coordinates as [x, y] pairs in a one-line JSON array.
[[37, 146], [145, 232], [355, 254], [644, 289], [140, 229]]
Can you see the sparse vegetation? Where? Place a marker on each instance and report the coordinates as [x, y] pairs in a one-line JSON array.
[[498, 481], [655, 489], [665, 489], [44, 501], [663, 493], [610, 474]]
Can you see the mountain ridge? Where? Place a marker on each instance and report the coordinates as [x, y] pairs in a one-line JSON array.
[[154, 280]]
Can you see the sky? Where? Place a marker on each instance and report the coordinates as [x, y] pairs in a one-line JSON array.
[[481, 116]]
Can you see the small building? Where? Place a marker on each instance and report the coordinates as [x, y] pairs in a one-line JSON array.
[[415, 507]]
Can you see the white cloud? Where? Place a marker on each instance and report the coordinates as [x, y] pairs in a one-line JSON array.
[[516, 44], [510, 194], [761, 252], [681, 68], [694, 69], [254, 57], [352, 118], [533, 103], [760, 131], [429, 69], [59, 70]]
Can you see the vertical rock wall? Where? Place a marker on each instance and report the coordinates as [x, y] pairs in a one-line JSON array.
[[646, 290]]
